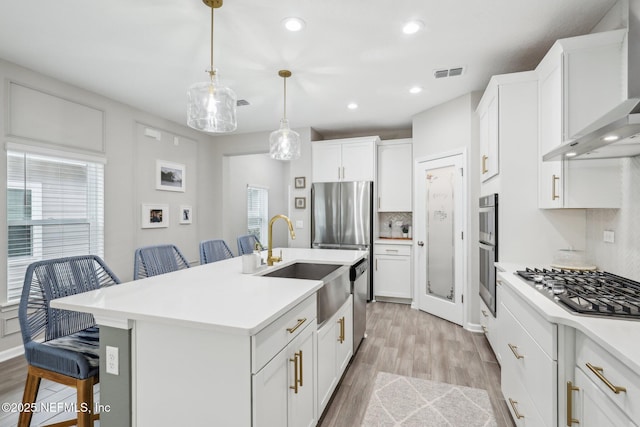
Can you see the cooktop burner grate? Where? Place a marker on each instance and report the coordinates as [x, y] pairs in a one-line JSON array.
[[588, 292]]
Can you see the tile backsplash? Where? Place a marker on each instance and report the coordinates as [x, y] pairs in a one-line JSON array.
[[396, 220], [623, 256]]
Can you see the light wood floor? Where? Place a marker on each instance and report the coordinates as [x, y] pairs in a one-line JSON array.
[[413, 343], [400, 340]]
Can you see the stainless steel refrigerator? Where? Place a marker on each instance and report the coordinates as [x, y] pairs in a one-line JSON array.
[[342, 217]]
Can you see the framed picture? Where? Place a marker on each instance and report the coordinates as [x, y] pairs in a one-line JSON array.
[[170, 176], [186, 214], [301, 202], [300, 182], [155, 216]]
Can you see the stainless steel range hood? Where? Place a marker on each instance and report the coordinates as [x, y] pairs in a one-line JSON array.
[[617, 133]]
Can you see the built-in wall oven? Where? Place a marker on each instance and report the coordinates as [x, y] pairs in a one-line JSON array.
[[488, 245]]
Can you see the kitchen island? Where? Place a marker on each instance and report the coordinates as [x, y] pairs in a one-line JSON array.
[[191, 343]]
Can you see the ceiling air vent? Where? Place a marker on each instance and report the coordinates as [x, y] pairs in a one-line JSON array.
[[242, 102], [451, 72]]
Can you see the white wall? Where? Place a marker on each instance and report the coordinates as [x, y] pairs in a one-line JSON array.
[[253, 169], [129, 171], [447, 127]]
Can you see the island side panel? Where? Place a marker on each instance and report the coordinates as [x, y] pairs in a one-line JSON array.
[[115, 390], [186, 375]]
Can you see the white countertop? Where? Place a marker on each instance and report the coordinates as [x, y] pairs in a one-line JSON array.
[[392, 241], [618, 336], [214, 296]]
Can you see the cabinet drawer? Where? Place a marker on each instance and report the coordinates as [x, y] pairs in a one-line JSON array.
[[523, 358], [614, 371], [542, 331], [269, 341], [404, 250], [522, 409]]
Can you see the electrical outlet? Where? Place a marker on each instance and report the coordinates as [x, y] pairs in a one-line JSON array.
[[608, 236], [112, 360]]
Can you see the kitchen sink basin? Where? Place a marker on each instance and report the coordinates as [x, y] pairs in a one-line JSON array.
[[304, 270], [334, 291]]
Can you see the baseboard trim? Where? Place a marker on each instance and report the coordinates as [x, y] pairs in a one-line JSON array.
[[11, 353]]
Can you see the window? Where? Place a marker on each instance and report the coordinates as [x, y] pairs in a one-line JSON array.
[[257, 211], [55, 208]]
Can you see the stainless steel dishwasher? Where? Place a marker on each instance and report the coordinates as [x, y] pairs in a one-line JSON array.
[[359, 276]]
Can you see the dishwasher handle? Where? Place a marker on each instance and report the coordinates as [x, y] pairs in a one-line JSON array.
[[358, 269]]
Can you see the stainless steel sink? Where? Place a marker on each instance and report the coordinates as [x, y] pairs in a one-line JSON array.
[[303, 270], [333, 293]]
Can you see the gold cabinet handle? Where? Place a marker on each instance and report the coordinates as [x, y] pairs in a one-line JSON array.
[[484, 313], [484, 164], [599, 373], [300, 322], [378, 202], [514, 349], [570, 390], [376, 264], [515, 408], [343, 172], [341, 323], [300, 353], [554, 178], [296, 381], [338, 173], [484, 328]]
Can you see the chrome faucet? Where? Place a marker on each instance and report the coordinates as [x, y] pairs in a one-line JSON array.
[[270, 258]]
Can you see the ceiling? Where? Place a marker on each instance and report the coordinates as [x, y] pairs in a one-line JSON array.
[[146, 53]]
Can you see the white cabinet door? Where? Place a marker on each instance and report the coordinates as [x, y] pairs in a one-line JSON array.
[[592, 408], [276, 399], [301, 404], [344, 347], [489, 147], [327, 162], [358, 161], [394, 177], [392, 276], [327, 362]]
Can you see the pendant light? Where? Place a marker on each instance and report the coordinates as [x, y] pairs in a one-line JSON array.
[[284, 143], [211, 105]]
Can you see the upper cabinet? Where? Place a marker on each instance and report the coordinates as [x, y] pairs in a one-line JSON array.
[[580, 79], [352, 159], [488, 111], [395, 160]]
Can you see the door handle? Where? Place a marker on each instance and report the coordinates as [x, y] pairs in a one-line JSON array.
[[554, 178], [421, 243]]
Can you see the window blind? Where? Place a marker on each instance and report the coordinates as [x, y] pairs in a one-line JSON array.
[[55, 208], [257, 211]]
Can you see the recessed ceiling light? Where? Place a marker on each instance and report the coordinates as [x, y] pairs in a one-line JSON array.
[[352, 106], [611, 138], [571, 154], [415, 89], [293, 24], [412, 27]]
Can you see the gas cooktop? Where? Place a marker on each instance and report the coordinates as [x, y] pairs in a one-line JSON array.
[[594, 293]]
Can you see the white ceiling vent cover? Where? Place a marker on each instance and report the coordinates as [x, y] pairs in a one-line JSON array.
[[451, 72], [242, 102]]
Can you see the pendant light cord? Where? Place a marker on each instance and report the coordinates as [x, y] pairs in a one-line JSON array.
[[285, 98], [211, 71]]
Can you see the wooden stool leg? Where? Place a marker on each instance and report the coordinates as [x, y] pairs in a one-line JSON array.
[[29, 397], [85, 401]]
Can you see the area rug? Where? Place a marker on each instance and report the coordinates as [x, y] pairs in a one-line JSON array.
[[404, 401]]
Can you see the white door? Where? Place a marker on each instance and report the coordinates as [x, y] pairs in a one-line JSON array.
[[439, 220]]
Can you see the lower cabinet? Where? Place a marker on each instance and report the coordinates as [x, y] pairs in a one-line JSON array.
[[284, 389], [392, 271], [335, 348]]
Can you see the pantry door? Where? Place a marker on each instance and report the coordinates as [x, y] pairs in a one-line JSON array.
[[440, 221]]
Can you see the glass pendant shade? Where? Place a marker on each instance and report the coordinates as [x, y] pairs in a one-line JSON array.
[[284, 143], [211, 106]]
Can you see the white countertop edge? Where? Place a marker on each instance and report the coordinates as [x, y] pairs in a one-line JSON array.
[[383, 241], [600, 330]]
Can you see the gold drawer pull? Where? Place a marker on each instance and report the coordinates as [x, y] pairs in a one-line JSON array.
[[514, 349], [570, 390], [300, 352], [598, 371], [294, 387], [300, 322], [484, 164], [554, 178], [484, 313], [515, 408]]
